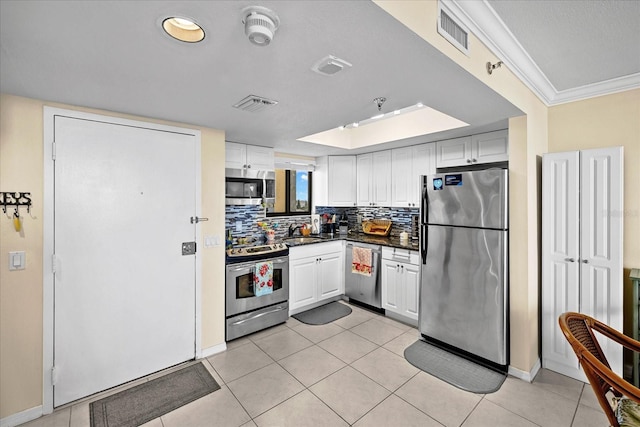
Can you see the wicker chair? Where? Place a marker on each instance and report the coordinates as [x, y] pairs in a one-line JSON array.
[[625, 405]]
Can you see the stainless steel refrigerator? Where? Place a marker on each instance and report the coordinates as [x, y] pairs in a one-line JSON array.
[[464, 272]]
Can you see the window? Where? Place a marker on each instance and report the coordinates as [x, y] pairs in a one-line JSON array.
[[293, 193]]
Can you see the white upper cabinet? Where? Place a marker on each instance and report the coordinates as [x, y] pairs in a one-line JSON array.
[[488, 147], [242, 156], [374, 179], [407, 164], [342, 180]]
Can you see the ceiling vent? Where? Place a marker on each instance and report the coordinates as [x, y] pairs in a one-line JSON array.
[[330, 65], [452, 29], [254, 103]]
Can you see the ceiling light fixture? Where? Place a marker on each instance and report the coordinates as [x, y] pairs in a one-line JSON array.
[[183, 29], [260, 24], [379, 117]]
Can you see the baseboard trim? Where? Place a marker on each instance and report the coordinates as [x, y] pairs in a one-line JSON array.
[[524, 375], [21, 417], [206, 352]]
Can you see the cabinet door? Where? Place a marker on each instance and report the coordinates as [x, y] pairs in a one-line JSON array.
[[423, 162], [560, 255], [302, 282], [410, 290], [490, 147], [260, 158], [601, 242], [391, 293], [381, 178], [402, 186], [342, 180], [235, 155], [364, 167], [453, 152], [331, 277]]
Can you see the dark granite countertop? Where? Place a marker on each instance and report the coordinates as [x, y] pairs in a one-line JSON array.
[[390, 241]]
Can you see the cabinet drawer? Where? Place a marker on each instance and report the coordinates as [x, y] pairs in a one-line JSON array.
[[315, 249], [400, 255]]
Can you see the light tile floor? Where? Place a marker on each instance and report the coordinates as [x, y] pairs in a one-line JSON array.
[[352, 372]]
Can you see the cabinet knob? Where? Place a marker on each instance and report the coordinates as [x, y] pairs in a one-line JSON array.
[[248, 166], [474, 160], [468, 160], [569, 259], [585, 261]]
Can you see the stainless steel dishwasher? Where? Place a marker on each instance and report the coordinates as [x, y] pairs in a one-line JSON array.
[[359, 287]]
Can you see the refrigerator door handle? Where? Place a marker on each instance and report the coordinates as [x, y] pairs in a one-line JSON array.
[[423, 244], [424, 206]]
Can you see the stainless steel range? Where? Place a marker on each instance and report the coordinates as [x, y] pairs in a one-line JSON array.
[[249, 306]]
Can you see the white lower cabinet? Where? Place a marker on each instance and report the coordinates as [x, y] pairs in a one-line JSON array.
[[401, 283], [316, 273]]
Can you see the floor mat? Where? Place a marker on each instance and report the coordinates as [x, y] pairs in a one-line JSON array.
[[324, 314], [144, 402], [453, 369]]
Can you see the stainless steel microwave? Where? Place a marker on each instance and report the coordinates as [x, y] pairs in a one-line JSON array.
[[247, 187]]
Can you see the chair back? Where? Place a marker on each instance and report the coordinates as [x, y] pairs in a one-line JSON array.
[[579, 331]]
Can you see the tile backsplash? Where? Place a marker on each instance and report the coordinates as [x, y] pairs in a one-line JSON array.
[[249, 217]]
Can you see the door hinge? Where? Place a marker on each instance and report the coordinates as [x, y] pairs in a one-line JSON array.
[[55, 373], [53, 263], [53, 150]]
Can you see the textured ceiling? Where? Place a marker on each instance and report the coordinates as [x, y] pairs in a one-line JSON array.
[[576, 42], [113, 55]]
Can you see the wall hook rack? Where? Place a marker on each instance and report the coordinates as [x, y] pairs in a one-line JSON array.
[[16, 199]]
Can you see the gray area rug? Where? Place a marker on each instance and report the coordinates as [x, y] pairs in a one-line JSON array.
[[144, 402], [324, 314], [453, 369]]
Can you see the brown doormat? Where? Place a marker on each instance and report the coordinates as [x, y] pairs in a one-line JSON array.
[[144, 402]]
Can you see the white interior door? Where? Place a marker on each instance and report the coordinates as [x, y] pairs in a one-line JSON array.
[[124, 294], [601, 219], [560, 257]]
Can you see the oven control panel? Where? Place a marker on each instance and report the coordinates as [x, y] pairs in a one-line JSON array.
[[260, 251]]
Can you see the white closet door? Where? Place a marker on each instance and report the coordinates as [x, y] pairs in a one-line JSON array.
[[124, 293], [560, 255], [601, 235]]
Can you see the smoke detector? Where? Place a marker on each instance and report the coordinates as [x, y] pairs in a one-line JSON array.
[[260, 24]]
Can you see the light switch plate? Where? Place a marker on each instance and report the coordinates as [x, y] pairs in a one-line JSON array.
[[17, 260]]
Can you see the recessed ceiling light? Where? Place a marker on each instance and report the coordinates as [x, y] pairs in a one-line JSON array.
[[183, 29]]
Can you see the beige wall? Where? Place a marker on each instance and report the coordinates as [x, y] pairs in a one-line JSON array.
[[21, 169], [608, 121]]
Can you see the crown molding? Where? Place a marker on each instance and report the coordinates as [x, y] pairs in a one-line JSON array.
[[487, 26]]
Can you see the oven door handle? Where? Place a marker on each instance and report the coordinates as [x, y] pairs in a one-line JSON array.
[[275, 310], [277, 262], [244, 267]]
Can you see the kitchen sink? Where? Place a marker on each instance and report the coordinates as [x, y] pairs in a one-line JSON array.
[[292, 241]]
